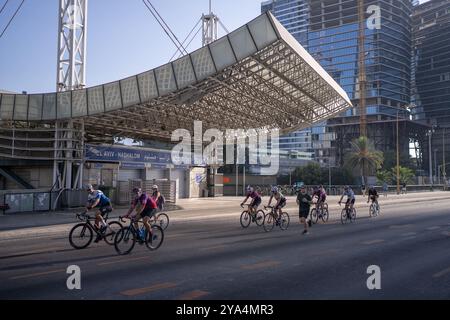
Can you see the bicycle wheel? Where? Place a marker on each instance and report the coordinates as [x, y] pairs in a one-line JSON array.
[[245, 219], [344, 216], [372, 210], [260, 218], [124, 240], [325, 215], [155, 240], [110, 233], [269, 222], [314, 215], [353, 215], [162, 220], [284, 221], [81, 236]]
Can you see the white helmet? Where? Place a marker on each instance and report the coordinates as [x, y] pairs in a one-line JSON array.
[[155, 187], [274, 189], [250, 189]]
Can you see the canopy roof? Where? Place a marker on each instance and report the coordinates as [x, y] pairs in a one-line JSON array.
[[256, 76]]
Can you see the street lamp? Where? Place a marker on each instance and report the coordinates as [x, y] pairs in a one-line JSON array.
[[435, 167], [398, 160], [444, 174], [430, 161]]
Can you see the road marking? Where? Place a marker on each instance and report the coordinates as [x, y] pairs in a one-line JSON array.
[[409, 234], [433, 228], [155, 287], [122, 261], [261, 265], [213, 248], [441, 273], [192, 295], [373, 241], [35, 252], [31, 275], [408, 238], [400, 226]]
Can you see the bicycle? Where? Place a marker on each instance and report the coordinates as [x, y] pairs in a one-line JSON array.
[[85, 230], [323, 213], [374, 209], [270, 220], [161, 220], [126, 238], [346, 215], [247, 217]]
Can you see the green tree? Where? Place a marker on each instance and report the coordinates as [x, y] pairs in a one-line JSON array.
[[390, 160], [384, 176], [314, 174], [364, 157], [311, 174], [406, 175]]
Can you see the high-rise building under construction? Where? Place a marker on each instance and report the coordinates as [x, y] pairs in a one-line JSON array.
[[329, 30]]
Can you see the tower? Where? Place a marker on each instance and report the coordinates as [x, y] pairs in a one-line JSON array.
[[72, 29], [210, 27], [71, 73]]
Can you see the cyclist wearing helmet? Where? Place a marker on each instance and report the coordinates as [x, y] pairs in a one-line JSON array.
[[373, 195], [256, 200], [350, 197], [156, 195], [98, 200], [145, 207], [321, 195], [281, 201]]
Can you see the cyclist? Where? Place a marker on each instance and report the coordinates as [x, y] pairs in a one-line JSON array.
[[321, 195], [98, 200], [145, 208], [158, 197], [350, 198], [373, 195], [256, 200], [281, 202]]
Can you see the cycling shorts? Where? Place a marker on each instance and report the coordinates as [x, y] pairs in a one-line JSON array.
[[282, 204], [352, 201], [255, 202], [148, 212], [105, 209]]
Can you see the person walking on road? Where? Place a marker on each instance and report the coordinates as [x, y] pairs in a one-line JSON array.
[[385, 189], [404, 188], [304, 202]]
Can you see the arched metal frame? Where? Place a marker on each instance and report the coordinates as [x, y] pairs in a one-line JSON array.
[[256, 76]]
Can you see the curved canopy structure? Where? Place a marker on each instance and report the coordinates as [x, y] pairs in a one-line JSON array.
[[256, 76]]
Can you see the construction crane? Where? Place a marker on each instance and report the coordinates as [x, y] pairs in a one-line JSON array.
[[362, 79]]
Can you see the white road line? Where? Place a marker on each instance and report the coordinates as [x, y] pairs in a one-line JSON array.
[[373, 241], [441, 273]]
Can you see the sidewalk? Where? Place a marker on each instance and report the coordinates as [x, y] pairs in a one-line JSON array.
[[205, 208]]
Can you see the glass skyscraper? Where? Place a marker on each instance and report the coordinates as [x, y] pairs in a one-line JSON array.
[[431, 79], [329, 31]]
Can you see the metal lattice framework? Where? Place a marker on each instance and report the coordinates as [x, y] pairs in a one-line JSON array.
[[72, 22], [258, 76]]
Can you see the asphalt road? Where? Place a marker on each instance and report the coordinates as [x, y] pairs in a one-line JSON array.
[[215, 258]]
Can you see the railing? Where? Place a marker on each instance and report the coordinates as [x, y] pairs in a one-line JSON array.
[[28, 202], [288, 190]]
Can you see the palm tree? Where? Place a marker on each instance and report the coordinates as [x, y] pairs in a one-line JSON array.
[[384, 176], [363, 156]]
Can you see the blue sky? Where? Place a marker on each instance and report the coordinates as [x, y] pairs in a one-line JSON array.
[[123, 38]]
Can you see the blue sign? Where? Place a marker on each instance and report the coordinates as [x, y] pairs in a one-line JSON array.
[[129, 157]]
